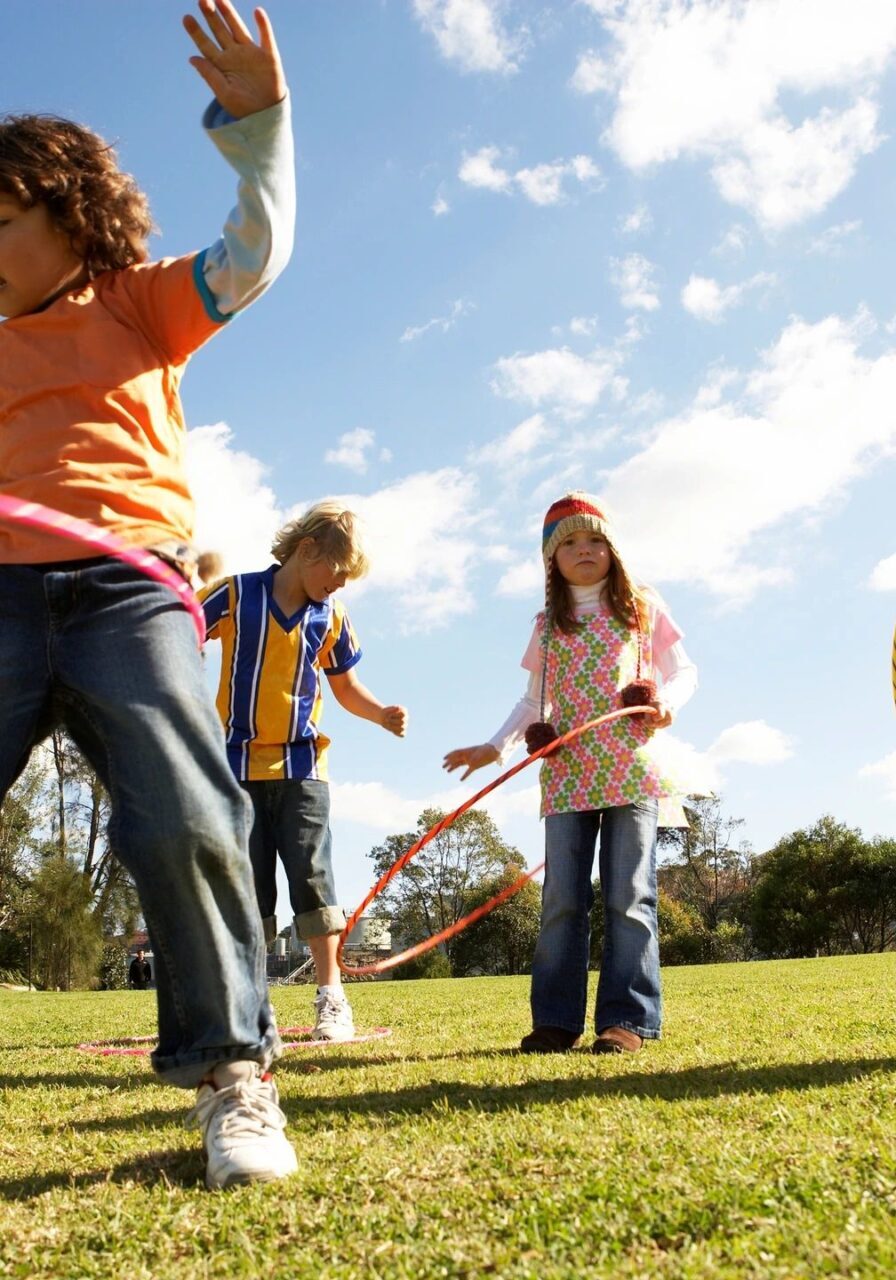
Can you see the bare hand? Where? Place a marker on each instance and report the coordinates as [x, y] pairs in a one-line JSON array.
[[395, 719], [244, 76], [661, 720], [470, 758]]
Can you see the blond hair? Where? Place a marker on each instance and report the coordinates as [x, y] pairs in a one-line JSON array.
[[335, 532]]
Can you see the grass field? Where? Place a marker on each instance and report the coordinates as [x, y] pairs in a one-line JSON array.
[[757, 1139]]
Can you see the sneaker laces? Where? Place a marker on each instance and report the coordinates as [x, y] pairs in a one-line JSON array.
[[329, 1006], [242, 1110]]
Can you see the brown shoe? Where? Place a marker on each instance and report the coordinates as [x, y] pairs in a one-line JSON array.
[[617, 1040], [549, 1040]]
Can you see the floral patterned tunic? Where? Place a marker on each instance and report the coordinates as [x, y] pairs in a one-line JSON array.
[[612, 765]]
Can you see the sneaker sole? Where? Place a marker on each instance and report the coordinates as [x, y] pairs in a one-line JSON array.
[[243, 1179]]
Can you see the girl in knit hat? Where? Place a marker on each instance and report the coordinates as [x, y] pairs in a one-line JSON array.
[[600, 644]]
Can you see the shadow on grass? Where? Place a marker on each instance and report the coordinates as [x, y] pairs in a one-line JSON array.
[[726, 1079], [175, 1168], [81, 1080], [179, 1168]]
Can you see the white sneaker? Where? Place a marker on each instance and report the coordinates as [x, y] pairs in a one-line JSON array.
[[242, 1127], [333, 1018]]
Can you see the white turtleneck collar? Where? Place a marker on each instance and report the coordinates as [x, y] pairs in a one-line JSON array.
[[587, 599]]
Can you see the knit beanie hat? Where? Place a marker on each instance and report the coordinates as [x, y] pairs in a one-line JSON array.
[[576, 510]]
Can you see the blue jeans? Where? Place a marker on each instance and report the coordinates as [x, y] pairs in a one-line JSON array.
[[292, 818], [628, 992], [102, 649]]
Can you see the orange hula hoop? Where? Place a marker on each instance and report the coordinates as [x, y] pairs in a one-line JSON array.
[[392, 962]]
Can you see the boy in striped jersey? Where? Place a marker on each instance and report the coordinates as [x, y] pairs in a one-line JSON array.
[[280, 629]]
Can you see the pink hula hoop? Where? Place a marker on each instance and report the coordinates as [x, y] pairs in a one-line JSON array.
[[392, 962], [37, 516]]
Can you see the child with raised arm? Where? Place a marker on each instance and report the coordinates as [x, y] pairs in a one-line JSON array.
[[92, 350], [600, 631], [280, 629]]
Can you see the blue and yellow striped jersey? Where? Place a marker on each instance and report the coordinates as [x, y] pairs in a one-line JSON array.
[[269, 695]]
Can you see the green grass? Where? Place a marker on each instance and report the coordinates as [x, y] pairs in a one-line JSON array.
[[757, 1139]]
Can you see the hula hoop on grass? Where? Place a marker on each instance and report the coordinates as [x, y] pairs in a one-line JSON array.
[[121, 1046], [392, 962], [132, 1046], [37, 516]]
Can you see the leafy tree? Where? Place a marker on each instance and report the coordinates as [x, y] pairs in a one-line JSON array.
[[114, 967], [432, 964], [711, 876], [825, 890], [66, 933], [502, 942], [57, 813], [684, 939], [433, 890]]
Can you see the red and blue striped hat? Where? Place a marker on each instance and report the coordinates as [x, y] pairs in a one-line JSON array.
[[576, 510]]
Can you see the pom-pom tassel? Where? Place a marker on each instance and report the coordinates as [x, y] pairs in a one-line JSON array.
[[640, 693], [538, 735]]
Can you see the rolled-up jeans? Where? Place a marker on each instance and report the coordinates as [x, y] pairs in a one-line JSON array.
[[628, 992], [112, 655], [292, 819]]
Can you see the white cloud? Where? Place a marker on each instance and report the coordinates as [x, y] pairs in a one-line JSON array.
[[542, 184], [751, 742], [583, 326], [517, 444], [470, 34], [352, 450], [886, 769], [433, 570], [784, 174], [459, 307], [371, 804], [481, 170], [712, 79], [572, 384], [706, 299], [440, 206], [633, 276], [883, 575], [809, 421], [699, 772], [593, 74], [638, 220], [237, 514], [830, 241], [526, 578], [733, 241], [383, 810]]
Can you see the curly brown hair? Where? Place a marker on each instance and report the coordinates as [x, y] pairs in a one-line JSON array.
[[73, 172]]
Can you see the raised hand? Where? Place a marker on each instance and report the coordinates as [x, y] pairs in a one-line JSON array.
[[244, 76], [470, 758]]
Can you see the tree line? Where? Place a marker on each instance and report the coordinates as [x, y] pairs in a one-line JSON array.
[[66, 901], [825, 890], [64, 896]]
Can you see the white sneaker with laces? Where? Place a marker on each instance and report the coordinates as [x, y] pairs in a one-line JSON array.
[[242, 1127], [333, 1019]]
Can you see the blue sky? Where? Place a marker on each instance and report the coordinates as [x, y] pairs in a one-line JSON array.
[[644, 248]]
